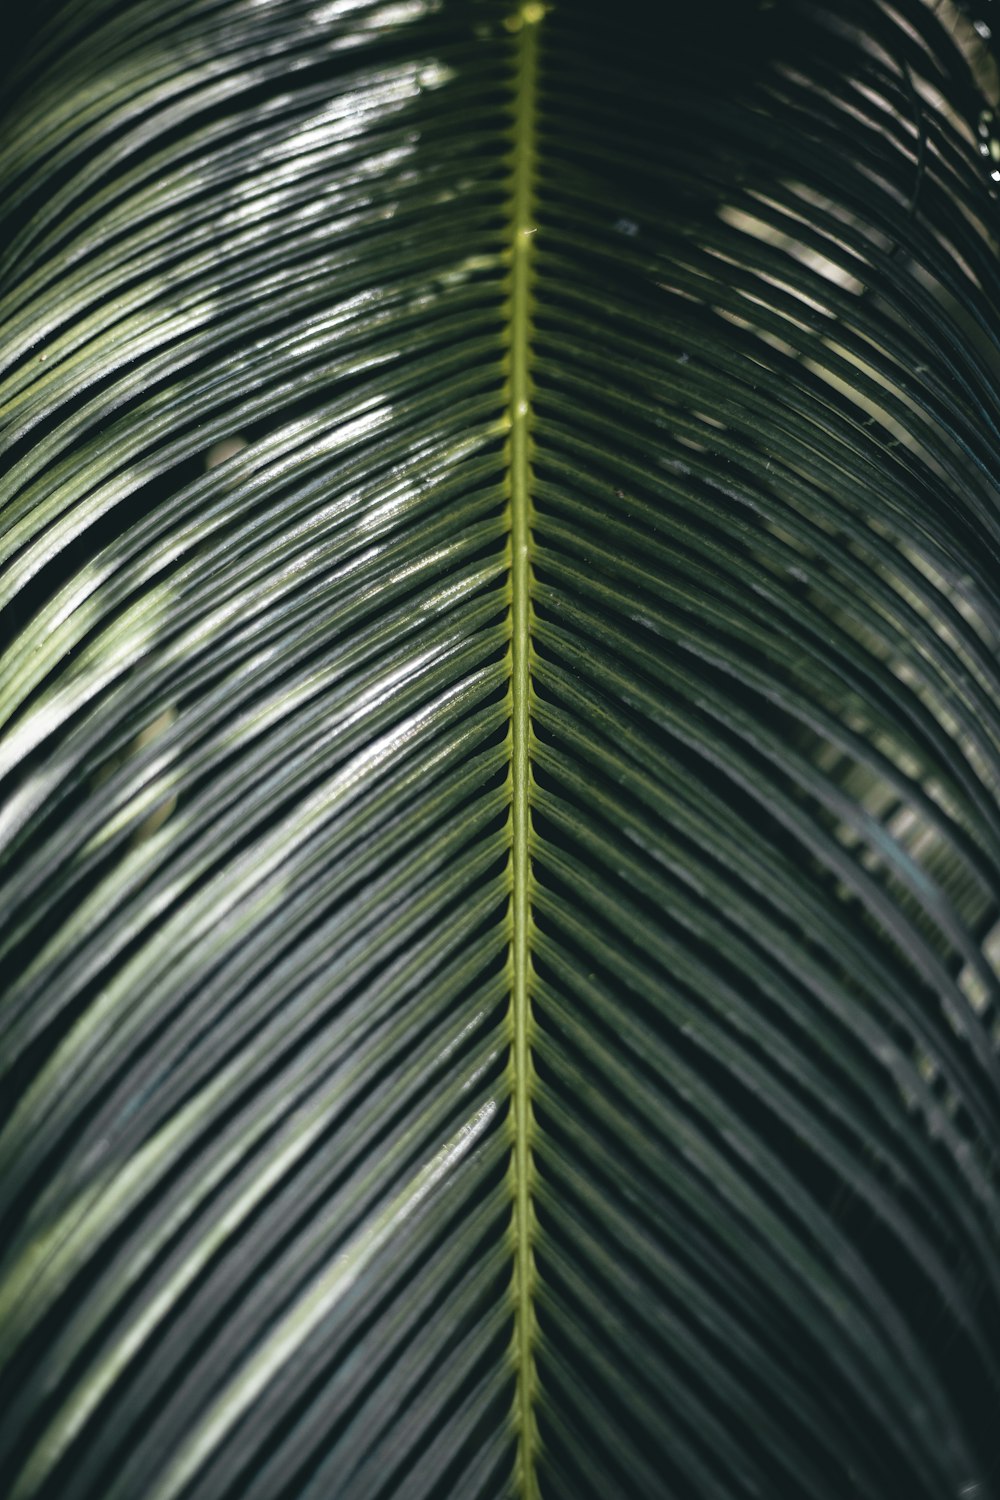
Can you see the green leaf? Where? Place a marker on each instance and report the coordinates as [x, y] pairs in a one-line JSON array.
[[499, 751]]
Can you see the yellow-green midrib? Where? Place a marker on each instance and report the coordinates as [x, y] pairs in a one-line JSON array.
[[521, 250]]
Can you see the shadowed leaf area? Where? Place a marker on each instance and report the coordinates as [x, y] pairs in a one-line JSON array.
[[499, 747]]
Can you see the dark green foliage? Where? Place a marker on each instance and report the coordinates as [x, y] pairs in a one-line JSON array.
[[384, 1114]]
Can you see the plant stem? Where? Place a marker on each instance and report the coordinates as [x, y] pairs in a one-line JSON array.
[[520, 963]]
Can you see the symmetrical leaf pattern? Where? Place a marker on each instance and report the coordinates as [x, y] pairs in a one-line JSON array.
[[499, 746]]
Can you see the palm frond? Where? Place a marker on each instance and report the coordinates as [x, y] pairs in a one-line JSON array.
[[499, 744]]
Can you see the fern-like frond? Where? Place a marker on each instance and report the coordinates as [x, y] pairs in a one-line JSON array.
[[499, 746]]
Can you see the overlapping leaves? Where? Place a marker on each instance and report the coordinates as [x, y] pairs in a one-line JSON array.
[[298, 1198]]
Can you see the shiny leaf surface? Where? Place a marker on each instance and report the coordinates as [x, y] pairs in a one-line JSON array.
[[499, 747]]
